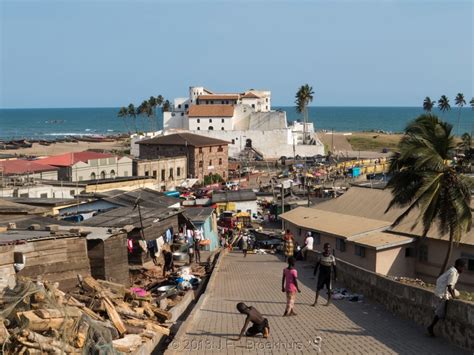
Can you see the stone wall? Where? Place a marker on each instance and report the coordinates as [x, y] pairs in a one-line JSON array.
[[409, 302]]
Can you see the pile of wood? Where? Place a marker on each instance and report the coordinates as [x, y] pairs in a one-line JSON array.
[[96, 317]]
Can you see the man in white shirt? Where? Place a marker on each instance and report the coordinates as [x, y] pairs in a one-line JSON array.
[[444, 291], [309, 241]]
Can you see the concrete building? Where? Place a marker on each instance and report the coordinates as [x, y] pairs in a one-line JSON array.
[[88, 165], [169, 172], [205, 155], [21, 169], [360, 232], [241, 119], [237, 201]]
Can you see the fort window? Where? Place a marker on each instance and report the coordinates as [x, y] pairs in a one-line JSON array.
[[220, 149], [92, 176], [102, 174], [163, 175], [154, 173], [147, 173], [171, 173], [210, 149], [233, 141], [210, 120], [72, 192], [178, 171], [199, 128], [200, 150], [220, 161], [210, 162], [112, 174], [253, 105], [200, 163], [222, 120], [211, 128], [186, 105], [179, 106], [222, 128], [198, 120]]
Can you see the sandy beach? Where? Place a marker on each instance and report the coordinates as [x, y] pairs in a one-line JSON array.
[[39, 150]]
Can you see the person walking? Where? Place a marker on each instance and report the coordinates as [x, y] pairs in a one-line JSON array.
[[245, 244], [327, 265], [309, 241], [289, 284], [289, 244], [197, 246], [444, 291]]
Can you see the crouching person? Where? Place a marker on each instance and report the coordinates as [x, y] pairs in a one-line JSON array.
[[259, 323]]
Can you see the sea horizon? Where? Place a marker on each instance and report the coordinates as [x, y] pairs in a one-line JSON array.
[[56, 122]]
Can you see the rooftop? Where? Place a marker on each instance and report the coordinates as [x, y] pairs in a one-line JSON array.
[[250, 95], [12, 208], [234, 196], [21, 166], [211, 111], [198, 214], [69, 159], [333, 223], [147, 197], [381, 240], [185, 139], [219, 97]]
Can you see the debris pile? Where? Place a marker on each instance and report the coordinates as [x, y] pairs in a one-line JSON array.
[[97, 317]]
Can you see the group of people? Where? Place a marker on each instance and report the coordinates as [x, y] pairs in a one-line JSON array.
[[291, 248], [326, 265]]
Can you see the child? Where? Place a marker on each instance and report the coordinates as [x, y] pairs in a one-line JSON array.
[[168, 265], [259, 324], [290, 275]]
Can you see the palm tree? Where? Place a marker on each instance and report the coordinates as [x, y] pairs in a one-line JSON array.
[[443, 104], [123, 114], [144, 111], [422, 179], [133, 116], [428, 104], [152, 103], [303, 97], [159, 100], [166, 106], [472, 103], [460, 102]]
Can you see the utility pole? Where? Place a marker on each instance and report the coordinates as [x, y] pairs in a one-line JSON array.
[[282, 205]]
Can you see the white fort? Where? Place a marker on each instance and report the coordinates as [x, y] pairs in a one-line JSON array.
[[243, 119]]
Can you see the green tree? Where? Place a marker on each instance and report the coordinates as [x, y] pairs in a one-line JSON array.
[[423, 178], [144, 111], [460, 102], [123, 114], [133, 116], [443, 104], [304, 96], [428, 104], [166, 106]]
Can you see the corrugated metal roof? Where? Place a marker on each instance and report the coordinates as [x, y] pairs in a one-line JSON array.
[[333, 223], [7, 207], [234, 196], [148, 198], [198, 214]]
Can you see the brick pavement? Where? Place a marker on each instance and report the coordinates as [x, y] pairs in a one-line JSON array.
[[344, 327]]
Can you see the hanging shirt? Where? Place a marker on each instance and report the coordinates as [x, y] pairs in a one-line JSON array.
[[169, 236]]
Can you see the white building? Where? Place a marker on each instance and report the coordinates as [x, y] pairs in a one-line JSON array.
[[244, 119]]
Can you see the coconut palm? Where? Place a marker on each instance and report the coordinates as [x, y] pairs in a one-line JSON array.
[[303, 97], [159, 100], [472, 103], [123, 114], [166, 106], [428, 104], [133, 115], [144, 111], [443, 104], [152, 103], [460, 102], [423, 179]]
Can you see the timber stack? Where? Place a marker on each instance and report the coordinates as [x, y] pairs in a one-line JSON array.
[[95, 317]]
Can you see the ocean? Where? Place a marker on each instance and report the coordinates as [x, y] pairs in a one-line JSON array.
[[61, 122]]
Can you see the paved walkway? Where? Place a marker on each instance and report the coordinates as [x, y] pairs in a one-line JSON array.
[[342, 328]]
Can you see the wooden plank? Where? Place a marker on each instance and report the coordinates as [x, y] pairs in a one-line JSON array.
[[114, 316]]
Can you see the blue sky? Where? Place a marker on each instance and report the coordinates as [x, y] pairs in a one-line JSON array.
[[354, 53]]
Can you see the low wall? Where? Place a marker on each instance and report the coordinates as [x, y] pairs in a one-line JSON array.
[[409, 302]]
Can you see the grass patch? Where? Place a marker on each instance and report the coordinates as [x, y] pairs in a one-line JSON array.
[[373, 141]]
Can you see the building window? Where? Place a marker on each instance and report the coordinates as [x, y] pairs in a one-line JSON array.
[[360, 251], [186, 105], [410, 252], [112, 174], [212, 102], [222, 128], [44, 195], [210, 120], [233, 141], [220, 161], [200, 150], [222, 120], [210, 149], [223, 174], [423, 253], [211, 128], [210, 162], [147, 173], [182, 113], [92, 176], [154, 173], [266, 107], [171, 173], [199, 120], [340, 244], [253, 105], [72, 192], [199, 128], [200, 163], [178, 171], [179, 106], [163, 172], [102, 174], [220, 149]]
